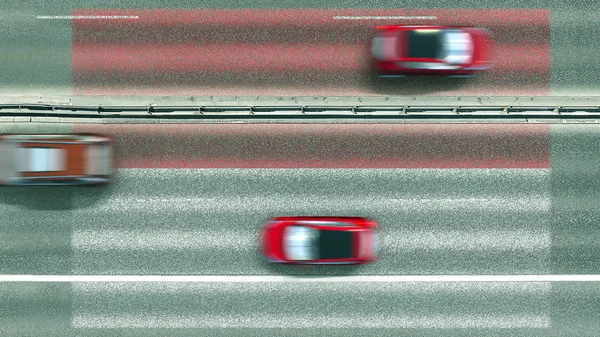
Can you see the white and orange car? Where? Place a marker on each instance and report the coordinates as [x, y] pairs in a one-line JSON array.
[[67, 159]]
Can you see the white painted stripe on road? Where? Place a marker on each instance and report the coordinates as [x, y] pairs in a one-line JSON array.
[[285, 204], [392, 241], [488, 240], [110, 240], [348, 289], [397, 17], [290, 279], [397, 176], [300, 321], [87, 17]]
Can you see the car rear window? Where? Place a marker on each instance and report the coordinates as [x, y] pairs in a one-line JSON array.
[[335, 244], [42, 159], [425, 43]]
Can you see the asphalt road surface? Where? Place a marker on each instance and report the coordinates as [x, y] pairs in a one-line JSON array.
[[190, 199], [309, 47], [299, 309]]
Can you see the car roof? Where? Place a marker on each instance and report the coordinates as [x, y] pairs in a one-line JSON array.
[[49, 156], [424, 43], [335, 244]]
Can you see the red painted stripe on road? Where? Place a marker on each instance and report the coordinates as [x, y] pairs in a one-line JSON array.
[[220, 58], [531, 59], [123, 59], [289, 51], [175, 89], [328, 145], [223, 27]]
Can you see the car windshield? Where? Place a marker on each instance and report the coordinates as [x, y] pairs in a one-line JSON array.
[[425, 43], [335, 244], [458, 47], [300, 243], [41, 159]]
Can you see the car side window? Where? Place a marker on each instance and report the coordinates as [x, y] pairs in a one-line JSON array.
[[340, 224]]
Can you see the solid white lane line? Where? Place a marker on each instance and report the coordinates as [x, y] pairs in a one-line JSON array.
[[447, 179], [291, 279]]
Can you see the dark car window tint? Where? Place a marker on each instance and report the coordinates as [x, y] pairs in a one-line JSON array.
[[335, 244]]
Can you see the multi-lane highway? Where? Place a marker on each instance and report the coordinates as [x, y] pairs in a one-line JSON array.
[[493, 199], [281, 47], [189, 199]]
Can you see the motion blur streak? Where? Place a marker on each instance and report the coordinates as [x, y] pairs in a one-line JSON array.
[[300, 305], [286, 204], [397, 241], [220, 58], [329, 145], [90, 240], [282, 52], [296, 321]]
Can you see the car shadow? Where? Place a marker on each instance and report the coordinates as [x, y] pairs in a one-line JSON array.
[[53, 198], [414, 85], [406, 86], [308, 271]]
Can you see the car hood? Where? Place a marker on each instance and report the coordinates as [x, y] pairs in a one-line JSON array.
[[272, 237]]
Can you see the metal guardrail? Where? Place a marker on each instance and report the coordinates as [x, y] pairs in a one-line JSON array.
[[374, 111]]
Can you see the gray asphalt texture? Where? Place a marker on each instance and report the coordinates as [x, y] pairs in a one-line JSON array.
[[194, 221], [37, 53], [382, 309]]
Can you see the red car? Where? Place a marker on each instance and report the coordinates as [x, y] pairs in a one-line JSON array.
[[398, 51], [320, 240]]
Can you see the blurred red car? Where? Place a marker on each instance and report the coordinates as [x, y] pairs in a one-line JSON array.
[[320, 240], [398, 51]]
